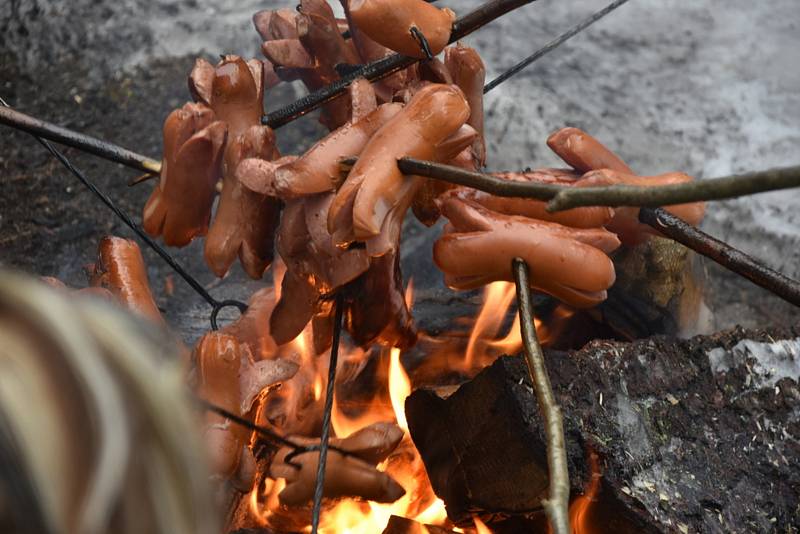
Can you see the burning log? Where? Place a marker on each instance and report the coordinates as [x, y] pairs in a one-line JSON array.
[[692, 435], [402, 525]]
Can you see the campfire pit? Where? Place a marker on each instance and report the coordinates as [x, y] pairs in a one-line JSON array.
[[372, 387]]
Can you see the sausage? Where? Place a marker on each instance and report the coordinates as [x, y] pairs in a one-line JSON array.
[[200, 80], [258, 175], [383, 318], [276, 24], [363, 100], [583, 152], [374, 183], [369, 51], [469, 73], [245, 221], [288, 53], [347, 476], [218, 359], [626, 219], [236, 96], [308, 45], [588, 217], [586, 153], [317, 170], [314, 267], [229, 378], [567, 263], [318, 30], [292, 313], [120, 269], [252, 327], [424, 204], [179, 208], [389, 22]]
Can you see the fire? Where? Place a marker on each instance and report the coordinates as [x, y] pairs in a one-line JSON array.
[[497, 297], [399, 388], [480, 526], [404, 465], [579, 516], [299, 402]]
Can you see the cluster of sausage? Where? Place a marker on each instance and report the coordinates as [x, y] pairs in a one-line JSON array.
[[338, 233], [567, 252]]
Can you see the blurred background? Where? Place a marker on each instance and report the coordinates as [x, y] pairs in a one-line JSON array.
[[706, 87]]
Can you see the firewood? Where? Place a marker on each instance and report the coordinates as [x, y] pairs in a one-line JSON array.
[[686, 430], [402, 525]]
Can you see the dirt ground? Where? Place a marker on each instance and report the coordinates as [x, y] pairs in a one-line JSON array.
[[702, 87]]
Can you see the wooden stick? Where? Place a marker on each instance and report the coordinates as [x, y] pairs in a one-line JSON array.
[[722, 253], [665, 195], [87, 143], [556, 506], [477, 180], [565, 197]]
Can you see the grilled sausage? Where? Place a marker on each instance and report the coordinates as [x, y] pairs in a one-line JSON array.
[[317, 170], [179, 208], [583, 152], [314, 267], [245, 222], [589, 217], [120, 269], [567, 263], [389, 22], [369, 51], [375, 183], [626, 219], [353, 476], [469, 73], [230, 379]]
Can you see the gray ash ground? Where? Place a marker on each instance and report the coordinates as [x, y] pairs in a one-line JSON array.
[[703, 432]]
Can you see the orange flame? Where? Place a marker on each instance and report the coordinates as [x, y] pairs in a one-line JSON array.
[[579, 516], [409, 294], [399, 388], [480, 526], [299, 405], [497, 297]]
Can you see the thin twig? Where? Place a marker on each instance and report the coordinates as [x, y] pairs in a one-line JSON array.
[[739, 185], [552, 45], [388, 65], [566, 197], [326, 416], [557, 505], [484, 182], [87, 143], [722, 253]]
